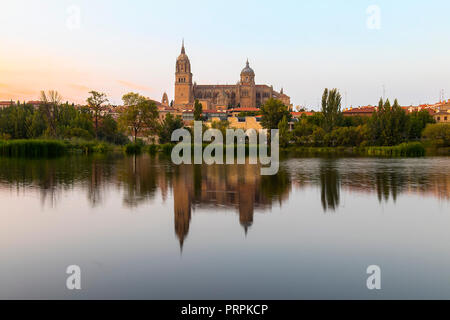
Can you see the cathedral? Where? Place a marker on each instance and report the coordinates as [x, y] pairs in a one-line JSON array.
[[244, 94]]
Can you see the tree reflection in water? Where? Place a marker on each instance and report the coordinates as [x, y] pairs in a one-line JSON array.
[[329, 184], [237, 187]]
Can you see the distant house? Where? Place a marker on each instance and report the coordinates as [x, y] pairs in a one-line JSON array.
[[297, 115], [236, 111], [366, 111], [34, 103], [5, 104], [208, 115], [442, 116]]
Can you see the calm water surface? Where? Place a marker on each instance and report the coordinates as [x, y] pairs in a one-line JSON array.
[[142, 228]]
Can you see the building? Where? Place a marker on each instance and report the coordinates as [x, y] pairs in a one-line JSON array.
[[442, 117], [208, 115], [366, 111], [5, 104], [246, 93]]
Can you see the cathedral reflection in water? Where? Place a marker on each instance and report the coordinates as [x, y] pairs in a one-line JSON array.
[[241, 188]]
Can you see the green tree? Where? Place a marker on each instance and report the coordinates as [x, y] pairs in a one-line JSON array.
[[109, 131], [49, 106], [438, 133], [140, 115], [198, 110], [331, 108], [272, 113], [221, 125], [318, 137], [37, 127], [418, 120], [302, 131], [169, 124], [284, 133], [389, 125], [95, 102]]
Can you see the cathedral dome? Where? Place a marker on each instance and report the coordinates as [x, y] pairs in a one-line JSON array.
[[247, 70]]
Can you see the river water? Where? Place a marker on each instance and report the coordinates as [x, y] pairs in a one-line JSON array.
[[143, 228]]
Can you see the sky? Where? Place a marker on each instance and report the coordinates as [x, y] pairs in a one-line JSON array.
[[357, 46]]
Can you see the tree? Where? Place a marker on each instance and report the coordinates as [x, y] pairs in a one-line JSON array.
[[50, 103], [95, 102], [108, 131], [140, 114], [150, 116], [130, 121], [221, 125], [389, 125], [37, 126], [169, 124], [302, 131], [439, 133], [417, 122], [285, 135], [131, 99], [398, 124], [273, 112], [331, 108], [198, 110]]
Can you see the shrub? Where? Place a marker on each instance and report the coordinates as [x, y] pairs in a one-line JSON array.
[[167, 148], [133, 148], [101, 148], [438, 133], [152, 149], [78, 133]]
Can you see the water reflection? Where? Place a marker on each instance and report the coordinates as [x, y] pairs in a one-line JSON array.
[[239, 187], [329, 185], [234, 187]]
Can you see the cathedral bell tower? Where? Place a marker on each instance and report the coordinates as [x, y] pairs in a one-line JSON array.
[[247, 89], [183, 81]]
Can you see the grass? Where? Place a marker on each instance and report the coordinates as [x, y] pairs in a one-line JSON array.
[[408, 149], [88, 147], [53, 148], [320, 151], [39, 148], [32, 148]]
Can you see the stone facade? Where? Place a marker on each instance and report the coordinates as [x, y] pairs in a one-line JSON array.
[[246, 93]]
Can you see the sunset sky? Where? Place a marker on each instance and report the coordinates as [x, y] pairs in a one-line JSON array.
[[302, 46]]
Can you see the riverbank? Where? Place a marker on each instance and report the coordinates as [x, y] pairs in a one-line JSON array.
[[54, 148], [410, 149]]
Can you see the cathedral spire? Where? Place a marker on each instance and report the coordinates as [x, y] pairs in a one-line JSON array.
[[182, 48]]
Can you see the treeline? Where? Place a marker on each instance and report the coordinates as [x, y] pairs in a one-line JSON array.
[[389, 125], [56, 120]]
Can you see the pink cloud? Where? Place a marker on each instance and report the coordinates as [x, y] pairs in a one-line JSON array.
[[134, 86]]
